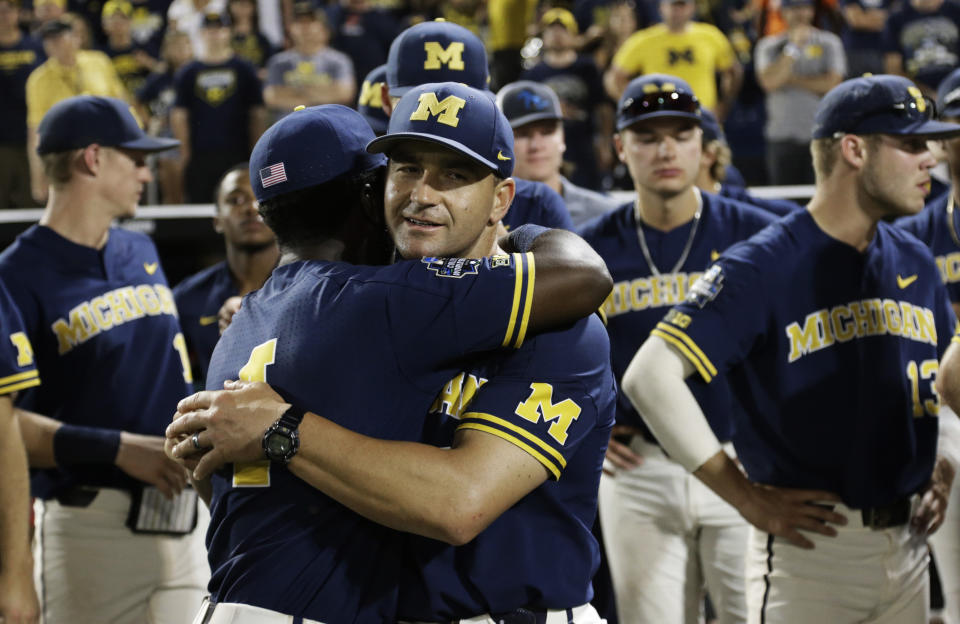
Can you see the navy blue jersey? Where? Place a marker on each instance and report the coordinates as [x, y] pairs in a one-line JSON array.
[[537, 203], [779, 207], [932, 226], [18, 368], [199, 298], [132, 74], [369, 348], [553, 398], [104, 330], [831, 352], [219, 98], [16, 63], [640, 299]]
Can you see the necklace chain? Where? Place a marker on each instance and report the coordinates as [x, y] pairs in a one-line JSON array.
[[686, 249]]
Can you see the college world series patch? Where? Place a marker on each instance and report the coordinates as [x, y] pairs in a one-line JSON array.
[[452, 267], [707, 287]]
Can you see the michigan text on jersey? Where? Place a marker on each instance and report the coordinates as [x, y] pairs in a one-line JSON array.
[[869, 317], [654, 291], [111, 309]]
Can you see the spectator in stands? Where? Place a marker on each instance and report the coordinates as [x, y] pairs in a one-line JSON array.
[[796, 68], [248, 42], [47, 11], [149, 24], [536, 118], [363, 32], [251, 255], [587, 114], [922, 42], [370, 100], [154, 102], [132, 61], [311, 73], [188, 16], [19, 56], [218, 114], [716, 169], [863, 35], [508, 21], [67, 72], [694, 51]]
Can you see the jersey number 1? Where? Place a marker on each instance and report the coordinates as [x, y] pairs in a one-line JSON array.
[[256, 474]]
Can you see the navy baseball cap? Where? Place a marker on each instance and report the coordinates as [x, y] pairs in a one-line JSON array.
[[369, 102], [656, 95], [948, 95], [526, 101], [712, 130], [54, 28], [83, 120], [309, 147], [878, 105], [454, 115], [436, 52]]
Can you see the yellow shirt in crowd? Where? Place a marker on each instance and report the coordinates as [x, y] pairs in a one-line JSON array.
[[93, 74], [695, 55]]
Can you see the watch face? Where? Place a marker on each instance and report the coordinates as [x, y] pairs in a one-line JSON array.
[[278, 445]]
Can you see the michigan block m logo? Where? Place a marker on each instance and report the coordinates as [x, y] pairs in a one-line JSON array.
[[438, 56], [447, 112]]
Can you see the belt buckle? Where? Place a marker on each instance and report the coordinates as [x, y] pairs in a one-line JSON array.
[[875, 518]]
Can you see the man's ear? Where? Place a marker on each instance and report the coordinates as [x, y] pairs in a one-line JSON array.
[[91, 159], [853, 150], [385, 102], [502, 198], [618, 146]]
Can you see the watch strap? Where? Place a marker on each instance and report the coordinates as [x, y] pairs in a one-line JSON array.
[[292, 417]]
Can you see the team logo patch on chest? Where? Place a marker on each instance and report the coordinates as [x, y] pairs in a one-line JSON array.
[[706, 289], [452, 267], [215, 86]]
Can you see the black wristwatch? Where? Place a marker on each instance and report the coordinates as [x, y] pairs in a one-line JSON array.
[[282, 440]]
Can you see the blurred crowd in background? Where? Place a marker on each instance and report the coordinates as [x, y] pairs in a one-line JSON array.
[[216, 73]]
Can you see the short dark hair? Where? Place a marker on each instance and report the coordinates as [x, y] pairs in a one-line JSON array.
[[312, 215], [244, 167]]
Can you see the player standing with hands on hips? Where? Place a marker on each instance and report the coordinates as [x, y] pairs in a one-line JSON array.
[[829, 325]]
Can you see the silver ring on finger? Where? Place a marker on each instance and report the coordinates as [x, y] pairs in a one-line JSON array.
[[196, 440]]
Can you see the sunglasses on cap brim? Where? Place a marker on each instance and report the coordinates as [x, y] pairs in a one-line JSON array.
[[658, 101]]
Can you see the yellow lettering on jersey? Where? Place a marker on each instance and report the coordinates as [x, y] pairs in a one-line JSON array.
[[949, 266], [109, 310], [678, 318], [456, 396], [842, 318], [24, 348], [180, 344], [256, 474], [540, 404], [80, 329], [148, 300], [447, 112], [371, 94], [438, 56], [654, 291], [102, 315], [858, 319]]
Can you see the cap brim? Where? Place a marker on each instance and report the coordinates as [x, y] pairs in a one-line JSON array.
[[951, 111], [150, 144], [383, 144], [931, 128], [542, 116], [626, 123], [399, 92]]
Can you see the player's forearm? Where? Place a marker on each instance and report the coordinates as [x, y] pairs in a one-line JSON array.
[[180, 127], [38, 432], [14, 495], [572, 280], [403, 485], [777, 74], [948, 377], [38, 181], [654, 383]]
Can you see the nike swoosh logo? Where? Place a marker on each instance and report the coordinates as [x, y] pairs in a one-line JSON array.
[[150, 267], [208, 320], [500, 156], [714, 255], [903, 282]]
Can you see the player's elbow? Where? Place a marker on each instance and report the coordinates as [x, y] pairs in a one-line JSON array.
[[465, 517]]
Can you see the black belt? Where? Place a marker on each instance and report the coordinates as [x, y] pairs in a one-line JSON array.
[[896, 513], [77, 496], [525, 616]]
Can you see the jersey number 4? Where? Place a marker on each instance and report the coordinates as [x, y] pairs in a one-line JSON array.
[[256, 474]]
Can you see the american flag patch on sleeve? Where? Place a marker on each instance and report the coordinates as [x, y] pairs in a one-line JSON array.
[[274, 174]]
